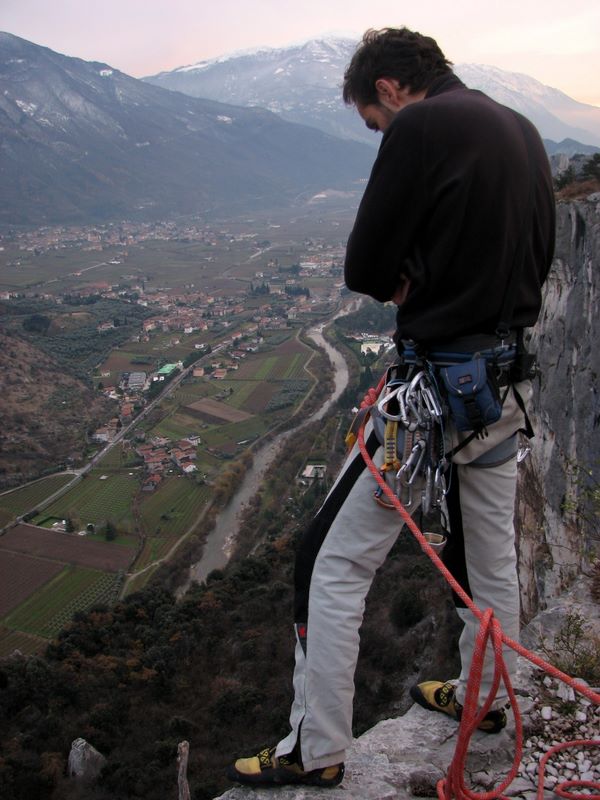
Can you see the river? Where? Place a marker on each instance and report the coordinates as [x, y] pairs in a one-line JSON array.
[[221, 539]]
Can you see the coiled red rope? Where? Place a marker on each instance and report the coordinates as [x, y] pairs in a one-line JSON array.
[[453, 786]]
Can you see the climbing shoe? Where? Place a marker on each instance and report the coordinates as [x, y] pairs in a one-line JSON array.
[[438, 696], [267, 769]]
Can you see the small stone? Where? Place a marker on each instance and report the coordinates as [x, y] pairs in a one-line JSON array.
[[551, 770], [519, 787], [587, 776], [547, 681], [546, 712], [570, 765], [565, 693], [580, 716]]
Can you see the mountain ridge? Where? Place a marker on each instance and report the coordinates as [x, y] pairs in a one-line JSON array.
[[83, 141], [315, 97]]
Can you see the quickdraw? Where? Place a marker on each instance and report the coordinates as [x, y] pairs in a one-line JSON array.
[[412, 415]]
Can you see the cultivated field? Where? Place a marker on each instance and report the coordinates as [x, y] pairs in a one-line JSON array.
[[172, 508], [23, 642], [215, 409], [27, 497], [67, 548], [45, 577], [52, 607], [20, 576], [96, 498]]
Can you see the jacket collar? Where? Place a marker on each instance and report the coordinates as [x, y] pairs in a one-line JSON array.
[[445, 83]]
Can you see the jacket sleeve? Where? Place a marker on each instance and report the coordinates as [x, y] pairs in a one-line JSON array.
[[391, 211]]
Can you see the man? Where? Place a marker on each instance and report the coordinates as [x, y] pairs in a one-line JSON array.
[[456, 227]]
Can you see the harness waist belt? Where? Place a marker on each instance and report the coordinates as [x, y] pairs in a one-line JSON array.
[[461, 349], [501, 356]]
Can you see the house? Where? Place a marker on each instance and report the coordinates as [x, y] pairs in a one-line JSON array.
[[104, 434], [126, 410], [105, 326], [151, 482], [314, 472], [136, 380]]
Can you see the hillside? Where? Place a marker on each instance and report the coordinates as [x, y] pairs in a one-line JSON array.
[[81, 141], [45, 412], [214, 668]]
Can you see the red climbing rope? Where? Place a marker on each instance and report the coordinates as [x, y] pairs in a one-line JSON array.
[[453, 786]]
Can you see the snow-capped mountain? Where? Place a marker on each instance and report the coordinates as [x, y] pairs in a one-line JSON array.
[[302, 83], [556, 115], [80, 140]]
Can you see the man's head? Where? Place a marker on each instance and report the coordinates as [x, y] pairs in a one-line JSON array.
[[391, 68]]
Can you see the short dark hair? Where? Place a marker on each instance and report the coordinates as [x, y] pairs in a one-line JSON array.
[[412, 59]]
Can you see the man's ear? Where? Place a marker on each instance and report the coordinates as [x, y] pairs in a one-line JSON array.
[[388, 89]]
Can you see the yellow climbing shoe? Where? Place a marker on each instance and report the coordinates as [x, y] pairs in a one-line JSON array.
[[438, 696], [266, 769]]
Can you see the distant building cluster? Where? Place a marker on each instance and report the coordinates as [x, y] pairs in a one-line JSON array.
[[161, 456]]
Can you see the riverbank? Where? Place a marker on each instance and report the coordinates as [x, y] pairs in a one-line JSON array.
[[221, 540]]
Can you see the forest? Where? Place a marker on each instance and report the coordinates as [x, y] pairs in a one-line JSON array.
[[213, 668]]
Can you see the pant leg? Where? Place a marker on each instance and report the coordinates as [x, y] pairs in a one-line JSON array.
[[340, 553], [487, 500]]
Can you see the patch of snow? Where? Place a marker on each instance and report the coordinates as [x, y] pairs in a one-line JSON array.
[[106, 73], [28, 108], [226, 120], [193, 67], [140, 144]]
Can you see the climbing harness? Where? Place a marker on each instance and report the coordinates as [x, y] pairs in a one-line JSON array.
[[453, 785]]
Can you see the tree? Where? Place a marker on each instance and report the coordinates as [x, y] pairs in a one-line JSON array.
[[565, 178], [110, 531], [36, 323], [591, 168]]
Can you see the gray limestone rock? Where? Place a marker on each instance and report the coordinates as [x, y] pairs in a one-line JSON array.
[[85, 762]]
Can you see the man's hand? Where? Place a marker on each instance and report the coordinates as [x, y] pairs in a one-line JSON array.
[[402, 291]]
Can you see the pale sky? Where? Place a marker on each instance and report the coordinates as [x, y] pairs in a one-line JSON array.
[[555, 41]]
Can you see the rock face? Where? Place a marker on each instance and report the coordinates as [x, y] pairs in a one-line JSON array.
[[555, 537], [85, 762]]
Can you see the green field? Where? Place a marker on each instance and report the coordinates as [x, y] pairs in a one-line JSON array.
[[234, 432], [95, 500], [74, 589], [27, 497], [172, 508], [137, 583], [155, 548], [178, 425]]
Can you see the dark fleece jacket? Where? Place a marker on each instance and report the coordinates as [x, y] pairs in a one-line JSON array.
[[446, 205]]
